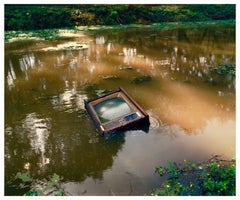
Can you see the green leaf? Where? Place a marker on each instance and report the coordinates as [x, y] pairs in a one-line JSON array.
[[25, 177], [160, 170]]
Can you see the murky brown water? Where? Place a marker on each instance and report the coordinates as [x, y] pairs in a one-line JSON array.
[[167, 71]]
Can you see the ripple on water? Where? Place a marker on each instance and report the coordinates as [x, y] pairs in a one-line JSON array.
[[155, 122]]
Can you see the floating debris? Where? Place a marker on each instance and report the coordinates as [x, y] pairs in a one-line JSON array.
[[101, 92], [141, 79], [225, 69], [140, 56], [121, 54], [67, 46], [126, 68], [220, 94], [110, 77]]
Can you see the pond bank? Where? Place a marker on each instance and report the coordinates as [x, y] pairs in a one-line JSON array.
[[80, 31]]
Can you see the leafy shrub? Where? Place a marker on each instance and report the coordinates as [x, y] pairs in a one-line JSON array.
[[218, 179], [213, 177], [33, 17]]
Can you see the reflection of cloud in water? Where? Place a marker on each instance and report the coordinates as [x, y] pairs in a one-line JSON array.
[[220, 134], [38, 133], [217, 136], [182, 104], [134, 165], [112, 109], [172, 143]]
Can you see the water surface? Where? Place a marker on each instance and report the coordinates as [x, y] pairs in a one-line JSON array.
[[168, 71]]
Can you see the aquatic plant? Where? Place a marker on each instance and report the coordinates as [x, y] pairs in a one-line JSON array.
[[141, 79], [225, 69], [110, 77], [212, 177], [37, 187]]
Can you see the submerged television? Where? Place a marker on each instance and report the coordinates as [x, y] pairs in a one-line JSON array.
[[116, 111]]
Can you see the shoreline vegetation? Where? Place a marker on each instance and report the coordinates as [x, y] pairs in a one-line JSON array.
[[20, 17], [57, 33]]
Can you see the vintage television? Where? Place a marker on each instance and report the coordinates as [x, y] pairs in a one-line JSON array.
[[116, 111]]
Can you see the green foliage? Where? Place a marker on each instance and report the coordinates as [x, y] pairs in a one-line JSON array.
[[24, 177], [218, 180], [46, 34], [169, 188], [160, 170], [225, 69], [214, 11], [36, 187], [33, 17], [213, 177], [172, 171]]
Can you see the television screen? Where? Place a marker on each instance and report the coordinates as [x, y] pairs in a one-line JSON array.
[[111, 109]]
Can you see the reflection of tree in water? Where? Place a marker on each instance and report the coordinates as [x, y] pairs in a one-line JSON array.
[[45, 148], [62, 142], [81, 153], [26, 146]]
